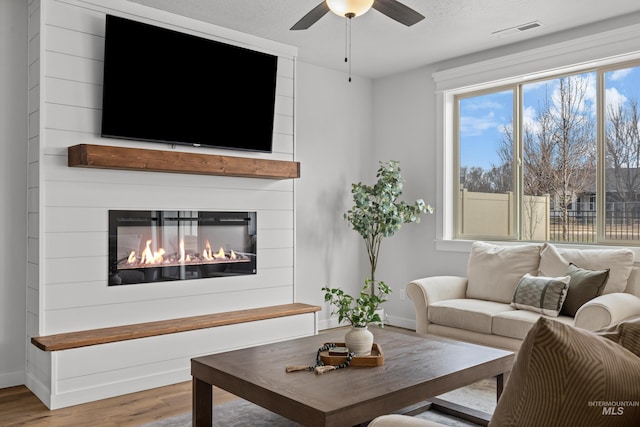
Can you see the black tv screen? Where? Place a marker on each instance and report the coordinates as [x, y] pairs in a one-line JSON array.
[[167, 86]]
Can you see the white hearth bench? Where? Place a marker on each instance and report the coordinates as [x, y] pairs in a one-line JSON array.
[[99, 363]]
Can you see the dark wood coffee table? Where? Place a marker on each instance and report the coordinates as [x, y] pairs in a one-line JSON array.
[[415, 369]]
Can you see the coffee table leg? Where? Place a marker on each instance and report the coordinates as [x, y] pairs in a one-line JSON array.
[[499, 386], [202, 402]]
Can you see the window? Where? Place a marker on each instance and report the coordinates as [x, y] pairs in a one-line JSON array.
[[554, 159], [486, 164], [622, 154]]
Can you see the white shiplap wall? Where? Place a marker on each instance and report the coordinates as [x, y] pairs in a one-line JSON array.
[[68, 210]]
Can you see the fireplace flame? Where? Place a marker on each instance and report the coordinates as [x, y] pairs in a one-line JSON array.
[[220, 254], [181, 248], [148, 257], [210, 256], [206, 254]]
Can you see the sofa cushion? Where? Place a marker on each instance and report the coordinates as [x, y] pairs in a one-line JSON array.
[[555, 261], [470, 314], [494, 271], [541, 294], [516, 324], [584, 286], [566, 376]]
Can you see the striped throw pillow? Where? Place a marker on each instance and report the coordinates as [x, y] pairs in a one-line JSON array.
[[541, 294]]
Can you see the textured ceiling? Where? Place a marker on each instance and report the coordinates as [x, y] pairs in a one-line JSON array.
[[381, 46]]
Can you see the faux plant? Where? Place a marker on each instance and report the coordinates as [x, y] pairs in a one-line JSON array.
[[360, 311], [377, 214]]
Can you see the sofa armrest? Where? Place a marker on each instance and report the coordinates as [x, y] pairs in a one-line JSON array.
[[607, 310], [433, 289]]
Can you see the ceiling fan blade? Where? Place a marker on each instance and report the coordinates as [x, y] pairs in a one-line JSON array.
[[312, 17], [398, 11]]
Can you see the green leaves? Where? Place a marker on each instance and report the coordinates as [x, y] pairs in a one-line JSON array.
[[358, 311], [375, 210], [377, 214]]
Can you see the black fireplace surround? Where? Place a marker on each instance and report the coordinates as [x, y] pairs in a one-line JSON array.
[[160, 246]]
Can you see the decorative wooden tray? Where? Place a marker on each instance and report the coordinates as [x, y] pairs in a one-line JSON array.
[[376, 358]]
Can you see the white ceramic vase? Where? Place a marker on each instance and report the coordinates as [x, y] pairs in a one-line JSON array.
[[359, 340]]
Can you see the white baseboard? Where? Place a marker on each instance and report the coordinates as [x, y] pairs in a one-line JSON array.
[[401, 322], [328, 324], [391, 320], [12, 379], [41, 391]]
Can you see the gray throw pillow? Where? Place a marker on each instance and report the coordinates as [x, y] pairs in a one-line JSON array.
[[541, 294], [584, 286]]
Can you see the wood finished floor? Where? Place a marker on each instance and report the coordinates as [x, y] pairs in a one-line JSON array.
[[20, 407]]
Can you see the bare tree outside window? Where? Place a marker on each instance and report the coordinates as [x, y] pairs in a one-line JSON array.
[[622, 160], [623, 151], [559, 149]]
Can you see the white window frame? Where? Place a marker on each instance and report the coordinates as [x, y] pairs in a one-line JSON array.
[[593, 51]]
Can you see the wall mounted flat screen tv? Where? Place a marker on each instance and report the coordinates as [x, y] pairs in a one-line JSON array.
[[167, 86]]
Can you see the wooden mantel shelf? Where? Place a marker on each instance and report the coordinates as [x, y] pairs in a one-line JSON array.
[[110, 157]]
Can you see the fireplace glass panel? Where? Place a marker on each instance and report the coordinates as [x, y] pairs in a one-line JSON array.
[[159, 246]]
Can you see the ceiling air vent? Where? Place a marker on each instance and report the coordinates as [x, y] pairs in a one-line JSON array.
[[517, 29]]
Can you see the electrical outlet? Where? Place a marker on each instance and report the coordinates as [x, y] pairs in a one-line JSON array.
[[403, 294]]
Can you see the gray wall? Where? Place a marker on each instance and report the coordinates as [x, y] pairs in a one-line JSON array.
[[404, 129], [13, 199], [334, 145]]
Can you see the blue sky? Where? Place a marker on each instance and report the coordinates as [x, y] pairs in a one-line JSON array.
[[483, 117]]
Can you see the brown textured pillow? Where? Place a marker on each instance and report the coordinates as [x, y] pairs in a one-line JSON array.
[[626, 334], [565, 376], [584, 286]]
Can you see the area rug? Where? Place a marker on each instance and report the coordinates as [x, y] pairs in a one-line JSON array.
[[241, 413]]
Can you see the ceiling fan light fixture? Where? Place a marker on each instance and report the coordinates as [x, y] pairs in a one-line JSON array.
[[349, 8]]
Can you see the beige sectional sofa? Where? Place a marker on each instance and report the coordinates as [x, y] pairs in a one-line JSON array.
[[486, 307]]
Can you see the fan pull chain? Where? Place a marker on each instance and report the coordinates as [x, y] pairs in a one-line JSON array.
[[347, 43], [346, 40], [350, 51]]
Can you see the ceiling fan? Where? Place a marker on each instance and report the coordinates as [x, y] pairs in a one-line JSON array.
[[352, 8]]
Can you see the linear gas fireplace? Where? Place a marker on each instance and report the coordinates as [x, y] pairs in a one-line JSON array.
[[159, 246]]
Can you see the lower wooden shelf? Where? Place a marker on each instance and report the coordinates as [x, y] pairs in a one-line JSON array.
[[69, 340], [111, 157]]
